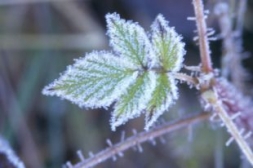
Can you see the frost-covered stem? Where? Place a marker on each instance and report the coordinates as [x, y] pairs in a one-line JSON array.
[[140, 138], [185, 78], [230, 125], [231, 60], [240, 16], [202, 33]]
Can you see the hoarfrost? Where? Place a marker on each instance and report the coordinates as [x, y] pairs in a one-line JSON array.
[[129, 40], [167, 45], [163, 96], [13, 160], [135, 101], [94, 81], [137, 74]]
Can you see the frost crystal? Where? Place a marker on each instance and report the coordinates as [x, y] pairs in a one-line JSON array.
[[137, 74]]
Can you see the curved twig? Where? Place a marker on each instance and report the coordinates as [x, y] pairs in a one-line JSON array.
[[138, 139]]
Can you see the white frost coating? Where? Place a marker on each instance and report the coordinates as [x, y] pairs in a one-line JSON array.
[[171, 95], [165, 36], [94, 81], [10, 155], [129, 40], [173, 87], [129, 75], [137, 104]]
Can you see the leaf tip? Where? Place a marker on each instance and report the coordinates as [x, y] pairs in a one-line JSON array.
[[48, 90], [112, 18], [117, 121]]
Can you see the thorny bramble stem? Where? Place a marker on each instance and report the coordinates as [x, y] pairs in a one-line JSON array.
[[202, 33], [209, 94], [186, 78], [232, 45], [211, 97], [233, 130], [140, 138]]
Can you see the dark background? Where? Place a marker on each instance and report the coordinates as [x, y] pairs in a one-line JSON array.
[[39, 39]]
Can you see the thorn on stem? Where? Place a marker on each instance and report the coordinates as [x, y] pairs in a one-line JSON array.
[[140, 149], [91, 154], [134, 131], [121, 154], [153, 142], [114, 158], [214, 117], [247, 135], [236, 115], [230, 140], [162, 140], [69, 165], [191, 18], [109, 142], [122, 137], [80, 155]]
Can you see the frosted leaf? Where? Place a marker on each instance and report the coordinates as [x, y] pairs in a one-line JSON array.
[[94, 81], [138, 95], [167, 45], [137, 75], [129, 40], [162, 97]]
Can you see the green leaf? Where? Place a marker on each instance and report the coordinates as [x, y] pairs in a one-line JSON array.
[[129, 40], [167, 45], [162, 97], [137, 75], [94, 81], [131, 104]]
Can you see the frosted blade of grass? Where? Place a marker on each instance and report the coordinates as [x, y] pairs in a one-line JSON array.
[[8, 157], [96, 80], [129, 40], [167, 45], [163, 96], [135, 101]]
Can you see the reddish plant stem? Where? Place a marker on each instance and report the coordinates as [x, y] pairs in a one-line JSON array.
[[202, 33], [137, 139]]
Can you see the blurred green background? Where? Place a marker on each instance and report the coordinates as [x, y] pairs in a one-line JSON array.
[[39, 38]]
